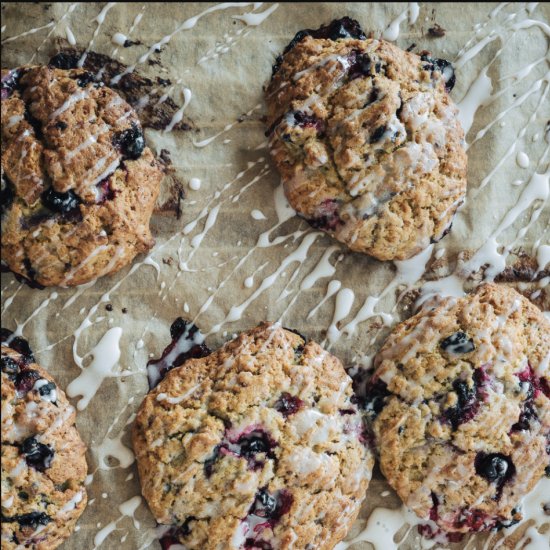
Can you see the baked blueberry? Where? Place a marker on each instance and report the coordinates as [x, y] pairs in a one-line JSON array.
[[37, 455], [458, 343]]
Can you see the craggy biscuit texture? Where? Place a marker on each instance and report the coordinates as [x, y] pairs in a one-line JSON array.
[[78, 183], [43, 458], [257, 445], [463, 430], [367, 141]]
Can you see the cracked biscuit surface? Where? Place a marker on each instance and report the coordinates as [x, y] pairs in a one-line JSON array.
[[78, 183], [367, 140], [257, 445], [43, 457], [461, 404]]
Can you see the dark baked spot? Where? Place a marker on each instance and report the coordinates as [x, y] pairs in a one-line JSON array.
[[437, 31], [37, 455], [65, 60]]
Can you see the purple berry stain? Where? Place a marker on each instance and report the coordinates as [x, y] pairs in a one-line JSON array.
[[327, 218], [288, 404], [187, 343]]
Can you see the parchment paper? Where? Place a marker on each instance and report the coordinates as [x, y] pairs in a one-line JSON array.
[[224, 88]]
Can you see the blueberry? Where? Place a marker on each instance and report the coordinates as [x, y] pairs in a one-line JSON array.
[[547, 471], [335, 30], [60, 125], [208, 464], [254, 443], [33, 520], [130, 142], [444, 67], [457, 343], [377, 134], [195, 348], [62, 203], [467, 404], [494, 467], [271, 506], [340, 28], [46, 389], [9, 366], [303, 120], [37, 455], [288, 404], [374, 398], [174, 535], [19, 344], [526, 416], [265, 505], [65, 60], [360, 64], [24, 381], [9, 83]]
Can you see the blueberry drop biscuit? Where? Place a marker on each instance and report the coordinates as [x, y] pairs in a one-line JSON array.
[[43, 457], [78, 183], [367, 141], [257, 445], [461, 404]]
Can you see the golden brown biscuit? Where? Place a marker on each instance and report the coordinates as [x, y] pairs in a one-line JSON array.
[[461, 401], [257, 445], [43, 457], [78, 183], [367, 140]]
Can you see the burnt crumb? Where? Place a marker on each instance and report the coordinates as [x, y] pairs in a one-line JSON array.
[[167, 261], [124, 310], [437, 31], [524, 269], [411, 47], [109, 307], [128, 43], [132, 87], [165, 157]]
